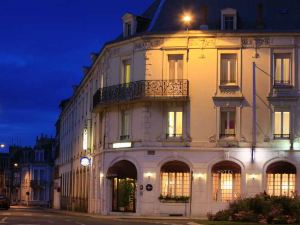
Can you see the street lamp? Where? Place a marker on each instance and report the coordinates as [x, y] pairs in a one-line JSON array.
[[16, 164], [187, 19], [2, 145]]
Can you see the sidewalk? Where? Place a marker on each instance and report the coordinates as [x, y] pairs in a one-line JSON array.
[[133, 217]]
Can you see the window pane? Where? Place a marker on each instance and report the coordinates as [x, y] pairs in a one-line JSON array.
[[171, 69], [286, 123], [178, 123], [175, 67], [277, 70], [286, 70], [125, 123], [215, 186], [171, 125], [277, 123], [228, 68], [226, 186], [179, 69], [223, 122]]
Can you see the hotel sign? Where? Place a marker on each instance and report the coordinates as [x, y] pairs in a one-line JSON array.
[[85, 139]]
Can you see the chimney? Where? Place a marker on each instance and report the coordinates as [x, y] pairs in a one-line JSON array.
[[260, 16], [203, 17]]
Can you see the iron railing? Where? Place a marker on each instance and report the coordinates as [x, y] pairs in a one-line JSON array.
[[282, 136], [141, 89]]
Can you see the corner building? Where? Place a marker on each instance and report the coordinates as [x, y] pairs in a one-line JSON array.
[[183, 117]]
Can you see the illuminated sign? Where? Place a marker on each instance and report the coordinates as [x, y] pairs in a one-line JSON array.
[[122, 145], [85, 161], [85, 139]]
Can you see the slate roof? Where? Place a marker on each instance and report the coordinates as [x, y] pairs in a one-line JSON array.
[[278, 15]]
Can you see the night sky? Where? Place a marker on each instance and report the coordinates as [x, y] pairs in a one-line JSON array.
[[44, 45]]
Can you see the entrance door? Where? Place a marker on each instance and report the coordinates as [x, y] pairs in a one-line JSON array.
[[123, 195], [123, 177]]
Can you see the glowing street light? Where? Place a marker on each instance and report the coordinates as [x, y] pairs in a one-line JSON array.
[[187, 19], [2, 145], [16, 164]]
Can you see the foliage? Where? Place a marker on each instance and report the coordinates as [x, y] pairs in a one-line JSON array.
[[174, 198], [127, 189], [263, 209]]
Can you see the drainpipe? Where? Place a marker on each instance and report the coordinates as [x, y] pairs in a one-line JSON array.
[[254, 132]]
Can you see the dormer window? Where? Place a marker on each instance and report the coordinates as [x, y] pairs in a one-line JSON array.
[[228, 19], [129, 25], [128, 29]]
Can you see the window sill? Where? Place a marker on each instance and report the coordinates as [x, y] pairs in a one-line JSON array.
[[283, 86], [229, 86]]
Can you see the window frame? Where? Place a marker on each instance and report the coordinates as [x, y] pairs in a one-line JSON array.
[[228, 12], [291, 53], [282, 135], [282, 81], [228, 110], [176, 74]]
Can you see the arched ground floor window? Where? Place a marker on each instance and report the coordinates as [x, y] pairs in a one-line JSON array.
[[226, 181], [175, 179], [281, 179], [123, 176]]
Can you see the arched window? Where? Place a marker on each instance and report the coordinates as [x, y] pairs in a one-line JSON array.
[[281, 179], [175, 179], [226, 177]]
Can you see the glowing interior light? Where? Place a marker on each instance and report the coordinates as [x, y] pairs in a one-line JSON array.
[[122, 145]]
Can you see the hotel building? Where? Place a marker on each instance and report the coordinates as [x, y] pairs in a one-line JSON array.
[[195, 105]]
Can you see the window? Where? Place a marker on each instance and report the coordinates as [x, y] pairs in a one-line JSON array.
[[175, 67], [226, 178], [281, 125], [126, 72], [228, 22], [228, 122], [128, 29], [175, 179], [281, 179], [228, 19], [174, 124], [125, 123], [39, 155], [282, 69], [228, 69]]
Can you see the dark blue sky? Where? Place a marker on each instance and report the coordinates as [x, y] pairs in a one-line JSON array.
[[43, 46]]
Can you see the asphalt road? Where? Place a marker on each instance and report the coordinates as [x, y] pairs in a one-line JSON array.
[[45, 217]]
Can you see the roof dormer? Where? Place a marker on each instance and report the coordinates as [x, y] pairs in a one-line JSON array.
[[129, 25], [228, 19]]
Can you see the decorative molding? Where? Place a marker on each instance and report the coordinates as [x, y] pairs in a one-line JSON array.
[[148, 44], [203, 43], [259, 42]]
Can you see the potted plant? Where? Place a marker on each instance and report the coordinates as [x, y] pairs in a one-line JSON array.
[[126, 192]]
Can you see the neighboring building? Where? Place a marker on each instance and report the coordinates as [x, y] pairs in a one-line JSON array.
[[32, 173], [171, 119], [4, 174]]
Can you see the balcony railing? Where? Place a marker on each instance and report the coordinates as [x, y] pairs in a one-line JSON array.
[[282, 136], [141, 90]]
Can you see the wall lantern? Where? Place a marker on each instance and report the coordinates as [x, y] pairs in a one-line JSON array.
[[85, 161], [122, 145], [199, 176], [85, 139]]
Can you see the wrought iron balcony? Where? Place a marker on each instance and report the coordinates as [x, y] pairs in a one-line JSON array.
[[139, 90]]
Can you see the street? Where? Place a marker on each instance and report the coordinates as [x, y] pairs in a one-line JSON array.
[[23, 216]]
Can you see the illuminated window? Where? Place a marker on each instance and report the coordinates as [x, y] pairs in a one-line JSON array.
[[281, 125], [228, 118], [226, 178], [281, 179], [228, 69], [126, 73], [282, 69], [175, 67], [175, 179], [125, 125], [174, 124]]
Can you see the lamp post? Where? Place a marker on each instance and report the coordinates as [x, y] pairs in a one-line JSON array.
[[187, 20]]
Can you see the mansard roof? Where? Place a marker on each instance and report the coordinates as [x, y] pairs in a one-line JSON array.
[[276, 15]]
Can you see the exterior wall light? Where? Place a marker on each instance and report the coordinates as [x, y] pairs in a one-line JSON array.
[[85, 161], [199, 176], [149, 175], [253, 177]]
